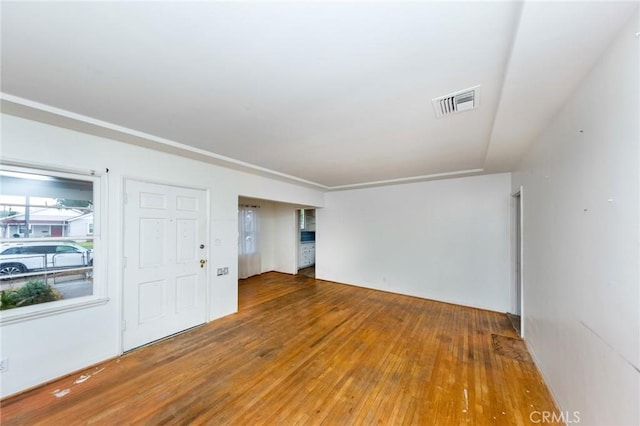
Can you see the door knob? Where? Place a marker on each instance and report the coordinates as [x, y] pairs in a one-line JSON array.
[[202, 262]]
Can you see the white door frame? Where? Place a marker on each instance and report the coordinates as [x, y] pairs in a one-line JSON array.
[[517, 256], [120, 257], [298, 242]]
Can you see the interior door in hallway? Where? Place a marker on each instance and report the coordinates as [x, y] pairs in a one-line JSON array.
[[165, 251]]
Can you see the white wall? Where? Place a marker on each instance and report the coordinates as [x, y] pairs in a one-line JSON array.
[[446, 240], [581, 235], [43, 349], [80, 227], [287, 236]]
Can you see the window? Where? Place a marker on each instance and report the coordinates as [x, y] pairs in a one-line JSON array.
[[66, 249], [302, 218], [248, 224], [249, 258], [46, 254], [12, 250]]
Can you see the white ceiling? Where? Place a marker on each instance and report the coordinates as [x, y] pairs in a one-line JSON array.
[[334, 93]]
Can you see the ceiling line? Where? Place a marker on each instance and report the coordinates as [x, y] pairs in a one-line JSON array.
[[156, 139], [410, 179], [505, 73], [201, 154]]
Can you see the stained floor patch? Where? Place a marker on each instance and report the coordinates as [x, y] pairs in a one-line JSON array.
[[510, 347]]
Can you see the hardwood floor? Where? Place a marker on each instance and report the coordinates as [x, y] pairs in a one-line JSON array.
[[309, 271], [305, 351]]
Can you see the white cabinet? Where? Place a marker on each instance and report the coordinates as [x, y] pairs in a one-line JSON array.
[[306, 255]]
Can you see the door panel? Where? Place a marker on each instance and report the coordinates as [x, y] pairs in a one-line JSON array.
[[164, 279], [187, 204], [152, 201], [151, 299], [186, 293], [151, 242], [187, 245]]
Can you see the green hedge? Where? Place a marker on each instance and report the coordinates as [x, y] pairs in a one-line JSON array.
[[31, 293]]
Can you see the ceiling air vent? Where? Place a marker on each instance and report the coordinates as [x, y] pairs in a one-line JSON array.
[[459, 101]]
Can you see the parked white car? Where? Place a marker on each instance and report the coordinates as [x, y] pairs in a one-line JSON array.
[[18, 258]]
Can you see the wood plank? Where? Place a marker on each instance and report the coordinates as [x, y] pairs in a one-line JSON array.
[[306, 351]]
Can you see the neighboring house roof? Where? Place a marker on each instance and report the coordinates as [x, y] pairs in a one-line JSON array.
[[44, 215], [86, 216]]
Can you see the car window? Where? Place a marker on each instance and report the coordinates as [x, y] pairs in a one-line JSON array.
[[12, 250], [39, 249], [66, 249]]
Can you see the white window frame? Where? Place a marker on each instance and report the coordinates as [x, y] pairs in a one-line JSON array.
[[99, 296]]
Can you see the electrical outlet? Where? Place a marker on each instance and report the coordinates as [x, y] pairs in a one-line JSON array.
[[4, 365]]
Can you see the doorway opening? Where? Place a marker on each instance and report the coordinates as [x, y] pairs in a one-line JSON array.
[[516, 311], [307, 242]]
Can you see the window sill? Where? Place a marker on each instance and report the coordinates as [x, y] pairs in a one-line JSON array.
[[32, 312]]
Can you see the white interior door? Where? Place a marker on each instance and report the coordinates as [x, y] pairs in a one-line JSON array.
[[165, 251]]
